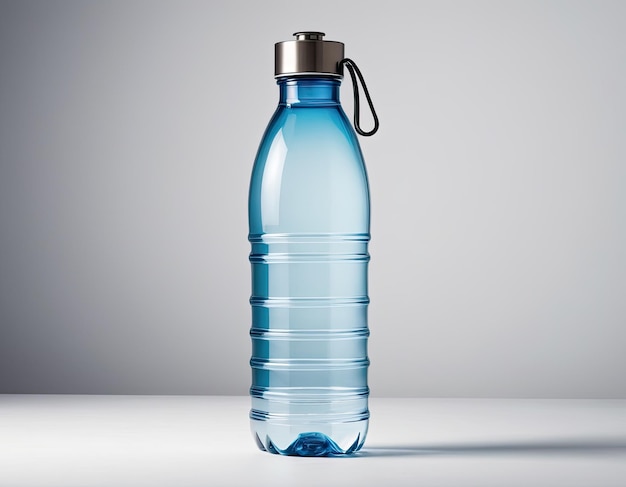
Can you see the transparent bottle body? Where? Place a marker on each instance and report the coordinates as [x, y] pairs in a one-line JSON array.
[[309, 234]]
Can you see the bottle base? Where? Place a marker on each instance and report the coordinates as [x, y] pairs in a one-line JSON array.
[[345, 439], [309, 445]]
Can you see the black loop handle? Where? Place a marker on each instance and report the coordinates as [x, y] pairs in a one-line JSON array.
[[354, 72]]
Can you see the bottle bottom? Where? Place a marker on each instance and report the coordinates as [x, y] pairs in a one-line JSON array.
[[310, 440]]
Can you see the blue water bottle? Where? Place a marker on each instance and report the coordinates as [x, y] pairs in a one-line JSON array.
[[309, 218]]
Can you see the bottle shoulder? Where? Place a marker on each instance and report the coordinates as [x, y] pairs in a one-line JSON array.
[[324, 131], [309, 175]]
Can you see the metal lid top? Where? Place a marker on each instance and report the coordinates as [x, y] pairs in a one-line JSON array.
[[308, 54]]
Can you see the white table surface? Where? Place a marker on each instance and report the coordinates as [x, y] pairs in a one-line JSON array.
[[180, 441]]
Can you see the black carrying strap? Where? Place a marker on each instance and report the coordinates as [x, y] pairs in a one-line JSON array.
[[354, 72]]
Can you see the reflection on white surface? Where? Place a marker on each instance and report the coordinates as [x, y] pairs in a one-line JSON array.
[[205, 441]]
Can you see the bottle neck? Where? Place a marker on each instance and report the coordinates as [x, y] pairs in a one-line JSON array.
[[309, 91]]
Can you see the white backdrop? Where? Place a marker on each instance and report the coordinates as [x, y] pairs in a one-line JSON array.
[[498, 180]]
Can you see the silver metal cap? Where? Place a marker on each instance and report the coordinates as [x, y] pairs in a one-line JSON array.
[[308, 54]]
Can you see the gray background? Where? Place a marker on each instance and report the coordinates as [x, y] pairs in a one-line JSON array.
[[498, 180]]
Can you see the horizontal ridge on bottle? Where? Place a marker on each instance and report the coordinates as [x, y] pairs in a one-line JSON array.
[[316, 334], [309, 302], [312, 364], [307, 237], [303, 258], [345, 417], [297, 394]]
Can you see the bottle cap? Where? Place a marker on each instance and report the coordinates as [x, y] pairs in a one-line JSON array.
[[308, 54]]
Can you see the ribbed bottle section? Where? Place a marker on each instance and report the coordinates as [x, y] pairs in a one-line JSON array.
[[309, 337]]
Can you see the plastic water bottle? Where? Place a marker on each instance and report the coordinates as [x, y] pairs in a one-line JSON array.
[[309, 217]]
